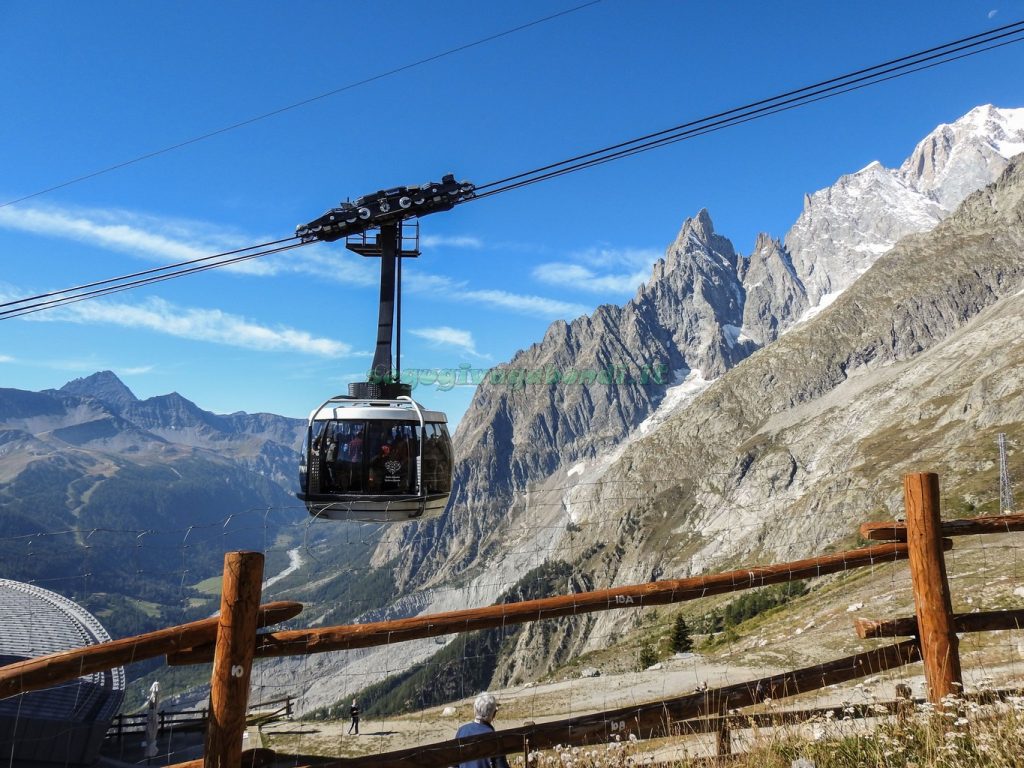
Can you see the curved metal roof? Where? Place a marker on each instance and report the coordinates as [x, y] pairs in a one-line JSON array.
[[36, 622], [375, 410]]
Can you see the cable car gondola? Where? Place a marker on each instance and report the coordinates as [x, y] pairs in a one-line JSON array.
[[376, 455], [376, 460]]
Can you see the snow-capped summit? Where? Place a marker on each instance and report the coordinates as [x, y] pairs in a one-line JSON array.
[[843, 229], [957, 158]]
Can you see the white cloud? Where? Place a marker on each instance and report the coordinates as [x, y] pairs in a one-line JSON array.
[[451, 241], [458, 290], [524, 304], [210, 325], [420, 282], [581, 278], [6, 359], [600, 270], [137, 370], [163, 239], [449, 337], [118, 230], [604, 256]]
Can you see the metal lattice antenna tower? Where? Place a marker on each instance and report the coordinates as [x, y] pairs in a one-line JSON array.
[[1005, 486]]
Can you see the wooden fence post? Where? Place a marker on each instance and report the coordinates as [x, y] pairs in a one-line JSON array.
[[232, 662], [936, 630]]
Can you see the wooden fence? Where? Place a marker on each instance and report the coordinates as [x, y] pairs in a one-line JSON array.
[[232, 642], [195, 719]]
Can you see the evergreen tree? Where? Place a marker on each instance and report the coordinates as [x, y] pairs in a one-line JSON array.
[[680, 637], [648, 656]]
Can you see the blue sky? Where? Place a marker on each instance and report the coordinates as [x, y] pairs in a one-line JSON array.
[[89, 85]]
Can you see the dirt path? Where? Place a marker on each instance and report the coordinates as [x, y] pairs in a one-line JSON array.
[[539, 703]]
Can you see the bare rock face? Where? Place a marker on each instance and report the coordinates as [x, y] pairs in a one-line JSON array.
[[775, 294], [843, 229], [591, 383], [580, 391], [797, 444]]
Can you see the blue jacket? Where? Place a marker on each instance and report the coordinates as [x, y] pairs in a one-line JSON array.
[[475, 729]]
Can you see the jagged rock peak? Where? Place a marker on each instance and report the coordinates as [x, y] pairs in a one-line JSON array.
[[775, 296], [764, 244], [697, 237], [701, 225], [104, 386], [844, 228]]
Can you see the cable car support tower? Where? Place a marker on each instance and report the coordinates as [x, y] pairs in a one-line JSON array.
[[378, 226]]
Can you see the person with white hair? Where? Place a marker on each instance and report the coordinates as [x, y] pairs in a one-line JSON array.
[[484, 709]]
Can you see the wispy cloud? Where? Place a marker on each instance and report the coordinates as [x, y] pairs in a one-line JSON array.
[[210, 325], [449, 337], [163, 239], [583, 279], [117, 230], [451, 241], [420, 282], [524, 304], [600, 270], [606, 256], [137, 370], [459, 290], [6, 359]]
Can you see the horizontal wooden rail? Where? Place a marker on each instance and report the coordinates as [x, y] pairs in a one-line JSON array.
[[791, 716], [652, 720], [64, 666], [123, 725], [346, 637], [967, 527], [780, 717], [983, 621]]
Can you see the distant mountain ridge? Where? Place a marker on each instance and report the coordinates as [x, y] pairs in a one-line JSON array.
[[103, 386], [160, 477]]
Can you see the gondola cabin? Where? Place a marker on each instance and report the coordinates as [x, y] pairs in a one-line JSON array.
[[376, 461]]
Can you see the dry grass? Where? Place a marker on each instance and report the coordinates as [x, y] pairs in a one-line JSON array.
[[965, 735]]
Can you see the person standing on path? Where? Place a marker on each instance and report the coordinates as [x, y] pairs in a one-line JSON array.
[[353, 712], [484, 708]]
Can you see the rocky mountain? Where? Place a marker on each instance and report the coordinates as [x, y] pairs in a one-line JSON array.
[[105, 495], [917, 365], [656, 438], [704, 310]]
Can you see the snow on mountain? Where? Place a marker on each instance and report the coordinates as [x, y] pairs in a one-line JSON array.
[[845, 228], [958, 158]]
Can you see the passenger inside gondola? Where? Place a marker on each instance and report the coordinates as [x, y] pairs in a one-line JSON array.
[[378, 470]]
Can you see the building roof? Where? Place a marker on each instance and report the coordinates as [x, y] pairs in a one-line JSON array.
[[67, 717]]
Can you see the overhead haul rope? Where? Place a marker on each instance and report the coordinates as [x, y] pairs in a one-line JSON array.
[[856, 80], [53, 299], [835, 86]]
